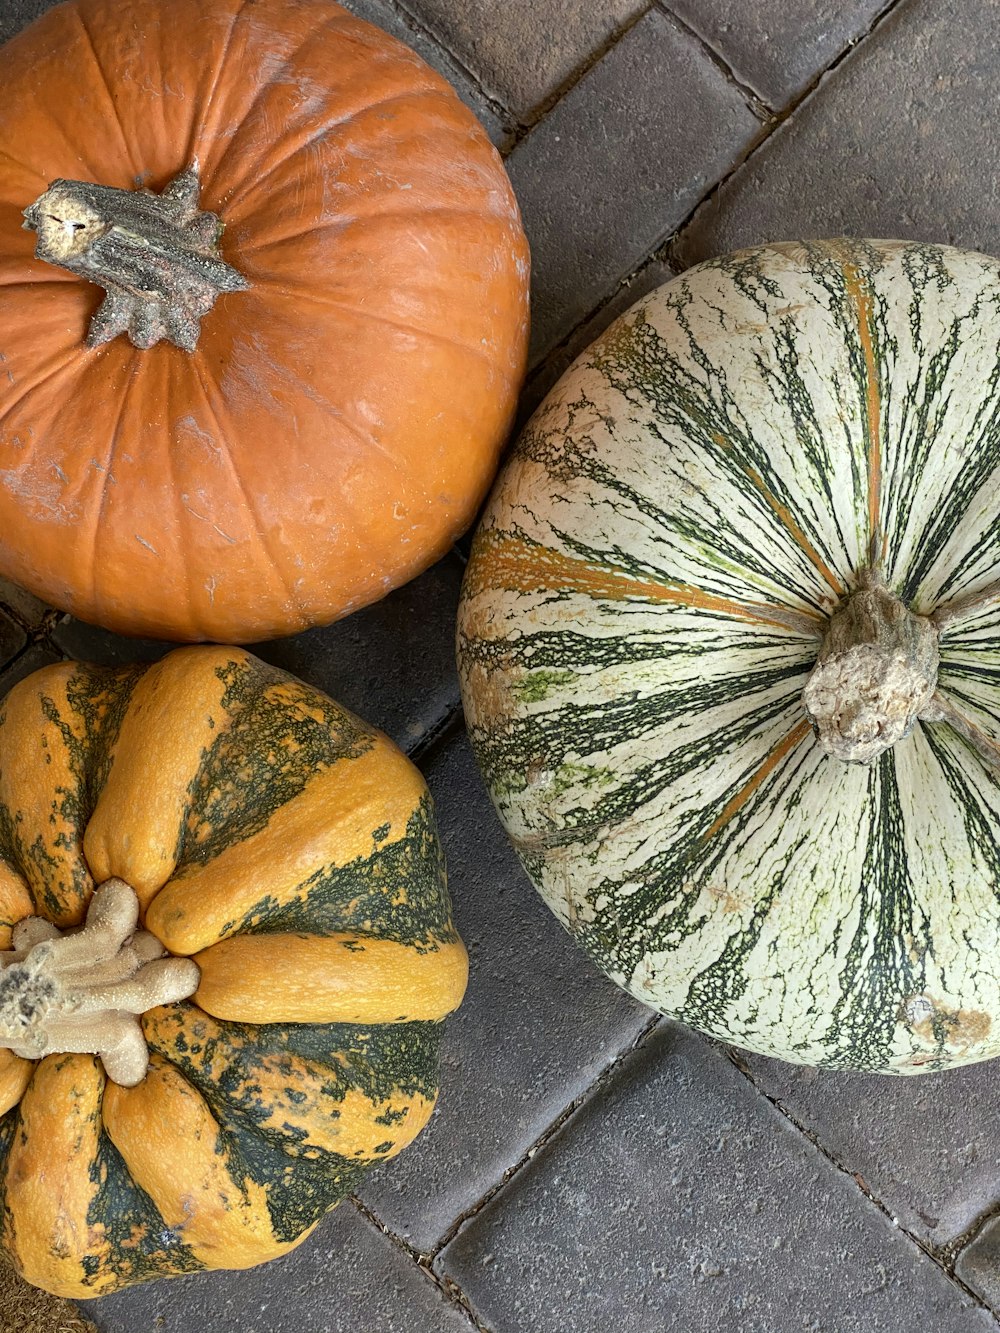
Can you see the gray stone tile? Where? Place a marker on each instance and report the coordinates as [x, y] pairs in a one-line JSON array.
[[678, 1199], [23, 605], [384, 14], [777, 47], [617, 166], [12, 637], [522, 51], [538, 1024], [346, 1275], [893, 143], [17, 14], [978, 1265], [36, 657], [392, 663], [927, 1147]]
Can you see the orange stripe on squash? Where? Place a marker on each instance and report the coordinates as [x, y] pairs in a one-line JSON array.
[[36, 778], [135, 829], [736, 803], [338, 979], [15, 1075], [218, 1211], [48, 1187], [522, 566]]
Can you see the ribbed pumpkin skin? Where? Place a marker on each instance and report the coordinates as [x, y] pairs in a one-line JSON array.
[[723, 454], [249, 812], [340, 422]]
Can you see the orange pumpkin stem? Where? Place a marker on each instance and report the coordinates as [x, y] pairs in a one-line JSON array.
[[83, 990], [156, 256]]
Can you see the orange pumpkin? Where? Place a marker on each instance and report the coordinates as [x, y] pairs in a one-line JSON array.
[[341, 414]]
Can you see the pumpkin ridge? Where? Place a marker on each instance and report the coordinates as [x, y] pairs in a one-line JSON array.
[[111, 109]]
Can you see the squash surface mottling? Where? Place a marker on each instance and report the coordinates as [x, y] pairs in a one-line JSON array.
[[248, 810], [644, 603]]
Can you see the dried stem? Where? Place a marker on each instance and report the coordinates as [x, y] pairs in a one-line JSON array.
[[156, 256], [83, 990]]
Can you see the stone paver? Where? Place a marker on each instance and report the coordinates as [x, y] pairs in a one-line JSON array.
[[522, 51], [12, 637], [346, 1275], [617, 166], [652, 275], [392, 663], [27, 609], [384, 14], [777, 47], [891, 145], [677, 1184], [928, 1147], [36, 657], [979, 1263], [538, 1023]]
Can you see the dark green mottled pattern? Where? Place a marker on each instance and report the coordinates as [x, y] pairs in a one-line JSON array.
[[101, 697], [265, 757], [302, 1181], [142, 1245], [367, 895], [884, 962], [642, 366]]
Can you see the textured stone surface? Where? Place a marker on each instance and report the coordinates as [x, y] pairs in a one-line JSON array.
[[891, 145], [617, 166], [17, 14], [25, 607], [520, 50], [387, 16], [346, 1276], [12, 637], [927, 1147], [777, 47], [393, 663], [680, 1185], [979, 1262], [538, 1023], [36, 657]]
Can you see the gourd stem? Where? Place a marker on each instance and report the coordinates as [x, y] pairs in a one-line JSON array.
[[83, 990], [875, 675], [943, 710], [156, 256]]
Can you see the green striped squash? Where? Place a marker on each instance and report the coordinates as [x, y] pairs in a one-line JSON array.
[[290, 850], [725, 471]]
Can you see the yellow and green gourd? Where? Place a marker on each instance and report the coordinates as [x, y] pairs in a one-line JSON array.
[[283, 862], [730, 652]]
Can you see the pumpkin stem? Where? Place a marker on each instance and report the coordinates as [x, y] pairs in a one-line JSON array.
[[83, 990], [156, 256], [875, 676]]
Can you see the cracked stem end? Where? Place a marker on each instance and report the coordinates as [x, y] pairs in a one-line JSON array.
[[876, 674], [156, 256]]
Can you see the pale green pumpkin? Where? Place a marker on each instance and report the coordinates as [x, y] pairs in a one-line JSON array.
[[646, 599]]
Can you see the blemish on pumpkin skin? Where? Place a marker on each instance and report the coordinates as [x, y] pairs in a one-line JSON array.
[[937, 1025]]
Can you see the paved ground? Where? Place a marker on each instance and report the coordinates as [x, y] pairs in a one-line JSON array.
[[592, 1169]]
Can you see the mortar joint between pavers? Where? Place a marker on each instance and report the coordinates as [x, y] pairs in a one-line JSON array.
[[449, 1289], [936, 1256], [538, 113], [547, 1134], [757, 105], [675, 244]]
